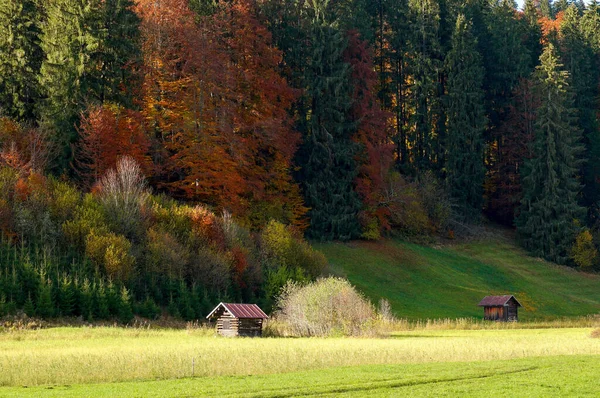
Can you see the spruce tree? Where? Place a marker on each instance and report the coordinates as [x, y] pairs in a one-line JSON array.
[[118, 53], [91, 47], [466, 122], [327, 154], [45, 305], [425, 66], [549, 211], [580, 55], [70, 38], [20, 57]]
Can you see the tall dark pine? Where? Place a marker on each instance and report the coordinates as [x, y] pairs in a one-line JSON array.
[[20, 57], [118, 54], [549, 212], [328, 167], [90, 47], [70, 39], [580, 61], [425, 68], [466, 122]]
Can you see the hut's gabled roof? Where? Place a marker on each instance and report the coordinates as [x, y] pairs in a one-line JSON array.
[[497, 301], [241, 311]]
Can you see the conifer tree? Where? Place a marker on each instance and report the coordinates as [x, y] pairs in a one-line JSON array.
[[425, 67], [549, 212], [466, 122], [327, 154], [70, 38], [581, 62], [44, 305], [118, 54], [533, 36], [20, 57], [91, 47]]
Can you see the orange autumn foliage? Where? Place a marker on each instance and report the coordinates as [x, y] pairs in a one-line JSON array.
[[550, 27], [217, 108], [376, 155], [109, 133], [23, 148]]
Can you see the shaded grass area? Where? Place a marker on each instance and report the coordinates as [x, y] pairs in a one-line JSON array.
[[448, 282], [79, 356], [532, 377]]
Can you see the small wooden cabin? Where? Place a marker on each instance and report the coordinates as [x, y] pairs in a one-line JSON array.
[[238, 319], [500, 308]]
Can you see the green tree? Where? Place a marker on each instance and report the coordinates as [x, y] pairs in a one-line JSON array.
[[118, 54], [425, 67], [328, 167], [466, 121], [45, 305], [581, 62], [70, 39], [549, 212], [20, 57]]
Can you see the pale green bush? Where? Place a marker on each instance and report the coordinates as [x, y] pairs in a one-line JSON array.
[[327, 307]]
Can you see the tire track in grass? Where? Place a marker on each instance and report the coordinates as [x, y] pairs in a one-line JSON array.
[[337, 388]]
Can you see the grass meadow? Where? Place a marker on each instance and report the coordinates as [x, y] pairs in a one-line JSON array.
[[140, 362], [423, 282]]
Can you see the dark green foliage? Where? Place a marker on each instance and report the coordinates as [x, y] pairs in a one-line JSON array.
[[20, 57], [119, 53], [90, 47], [466, 122], [580, 61], [70, 39], [86, 303], [424, 65], [550, 215], [45, 306], [184, 304], [149, 309], [125, 309], [29, 308], [327, 155], [101, 308]]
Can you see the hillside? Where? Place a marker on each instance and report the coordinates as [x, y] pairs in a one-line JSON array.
[[449, 281]]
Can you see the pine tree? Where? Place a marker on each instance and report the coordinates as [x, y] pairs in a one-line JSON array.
[[580, 61], [549, 212], [466, 122], [119, 53], [327, 154], [20, 57], [533, 36], [125, 309], [70, 39], [45, 306], [29, 308], [425, 49]]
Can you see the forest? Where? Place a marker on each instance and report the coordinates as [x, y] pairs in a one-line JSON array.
[[177, 153]]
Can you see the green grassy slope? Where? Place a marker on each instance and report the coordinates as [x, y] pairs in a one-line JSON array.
[[448, 282]]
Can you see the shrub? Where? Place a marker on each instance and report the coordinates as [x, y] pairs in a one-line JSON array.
[[280, 248], [326, 307], [165, 254], [596, 334], [407, 214], [123, 192], [583, 252], [111, 253]]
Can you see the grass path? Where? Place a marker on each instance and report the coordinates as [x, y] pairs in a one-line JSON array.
[[561, 376], [448, 282]]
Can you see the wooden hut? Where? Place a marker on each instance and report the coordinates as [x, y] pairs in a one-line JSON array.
[[238, 319], [500, 308]]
